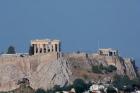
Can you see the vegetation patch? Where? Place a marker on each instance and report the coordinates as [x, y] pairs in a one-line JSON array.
[[123, 82], [100, 69]]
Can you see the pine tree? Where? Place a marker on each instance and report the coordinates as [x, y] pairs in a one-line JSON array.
[[11, 50]]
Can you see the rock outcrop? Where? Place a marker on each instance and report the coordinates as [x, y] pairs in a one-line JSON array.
[[46, 70], [43, 71], [83, 62]]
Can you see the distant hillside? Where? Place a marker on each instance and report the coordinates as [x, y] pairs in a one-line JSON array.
[[82, 65], [47, 70]]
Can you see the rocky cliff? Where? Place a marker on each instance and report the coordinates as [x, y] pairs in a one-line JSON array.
[[81, 66], [46, 70], [43, 71]]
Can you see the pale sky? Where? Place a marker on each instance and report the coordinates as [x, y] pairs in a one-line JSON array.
[[79, 24]]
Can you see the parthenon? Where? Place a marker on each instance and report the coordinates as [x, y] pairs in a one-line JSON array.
[[45, 46]]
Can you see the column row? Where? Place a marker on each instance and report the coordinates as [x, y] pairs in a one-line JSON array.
[[45, 48]]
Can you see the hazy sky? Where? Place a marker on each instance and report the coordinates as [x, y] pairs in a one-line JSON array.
[[79, 24]]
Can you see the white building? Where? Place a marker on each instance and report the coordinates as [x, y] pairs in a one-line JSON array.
[[108, 52], [45, 46]]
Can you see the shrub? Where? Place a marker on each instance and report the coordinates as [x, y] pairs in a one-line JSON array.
[[11, 50], [96, 69], [111, 68], [103, 69], [122, 82], [80, 86], [40, 91], [31, 50]]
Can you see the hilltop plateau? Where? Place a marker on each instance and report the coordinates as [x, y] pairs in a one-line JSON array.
[[47, 70]]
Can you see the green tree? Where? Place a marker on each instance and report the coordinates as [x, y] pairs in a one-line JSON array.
[[11, 50], [79, 85], [110, 89], [111, 68], [57, 88], [103, 69], [122, 82], [31, 50], [97, 69], [40, 91]]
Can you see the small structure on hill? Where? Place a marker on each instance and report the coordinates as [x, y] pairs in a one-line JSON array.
[[45, 46], [108, 52]]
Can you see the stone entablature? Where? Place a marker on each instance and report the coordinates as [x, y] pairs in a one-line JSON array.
[[108, 52], [45, 46]]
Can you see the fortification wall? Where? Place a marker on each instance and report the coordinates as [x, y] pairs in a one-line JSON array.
[[12, 68], [46, 70]]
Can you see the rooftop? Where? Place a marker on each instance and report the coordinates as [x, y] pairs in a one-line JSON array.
[[46, 40]]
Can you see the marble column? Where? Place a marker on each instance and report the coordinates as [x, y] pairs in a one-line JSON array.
[[58, 48], [50, 46], [47, 48], [38, 47], [53, 46], [34, 46]]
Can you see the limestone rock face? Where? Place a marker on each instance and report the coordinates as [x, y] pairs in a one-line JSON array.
[[46, 70], [130, 68], [84, 62], [48, 75], [43, 71]]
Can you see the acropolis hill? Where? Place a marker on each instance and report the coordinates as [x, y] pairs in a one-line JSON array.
[[47, 65]]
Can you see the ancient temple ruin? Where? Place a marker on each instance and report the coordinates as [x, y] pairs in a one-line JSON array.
[[108, 52], [45, 46]]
